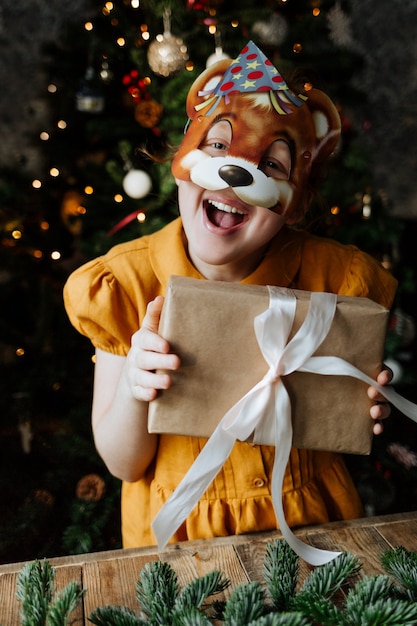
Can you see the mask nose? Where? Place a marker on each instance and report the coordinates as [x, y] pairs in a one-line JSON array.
[[235, 176]]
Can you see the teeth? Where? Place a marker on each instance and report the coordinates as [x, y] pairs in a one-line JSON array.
[[225, 207]]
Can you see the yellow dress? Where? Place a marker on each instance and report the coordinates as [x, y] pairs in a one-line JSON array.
[[106, 300]]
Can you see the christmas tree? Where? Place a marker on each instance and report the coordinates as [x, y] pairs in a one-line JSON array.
[[115, 91]]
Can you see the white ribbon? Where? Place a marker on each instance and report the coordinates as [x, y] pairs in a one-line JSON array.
[[267, 406]]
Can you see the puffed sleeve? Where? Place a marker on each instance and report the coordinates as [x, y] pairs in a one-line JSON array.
[[367, 278], [99, 307]]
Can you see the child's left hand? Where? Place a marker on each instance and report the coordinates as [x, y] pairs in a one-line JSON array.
[[381, 409]]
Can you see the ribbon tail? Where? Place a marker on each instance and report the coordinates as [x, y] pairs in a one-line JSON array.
[[238, 423], [335, 365], [283, 434], [203, 471]]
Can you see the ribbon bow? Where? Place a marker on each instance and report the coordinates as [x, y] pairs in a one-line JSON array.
[[267, 408]]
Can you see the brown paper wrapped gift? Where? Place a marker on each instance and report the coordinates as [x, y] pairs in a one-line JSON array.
[[210, 325]]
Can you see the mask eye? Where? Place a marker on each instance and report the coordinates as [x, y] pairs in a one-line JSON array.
[[218, 139], [276, 161]]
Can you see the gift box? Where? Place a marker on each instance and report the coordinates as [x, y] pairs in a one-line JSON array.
[[210, 325]]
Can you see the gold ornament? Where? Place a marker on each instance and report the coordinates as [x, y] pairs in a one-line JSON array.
[[167, 54], [148, 113]]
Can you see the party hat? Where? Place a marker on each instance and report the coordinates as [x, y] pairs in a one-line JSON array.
[[252, 72]]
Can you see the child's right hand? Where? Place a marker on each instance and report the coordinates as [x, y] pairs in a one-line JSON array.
[[150, 352]]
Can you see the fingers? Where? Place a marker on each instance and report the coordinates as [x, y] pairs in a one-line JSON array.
[[149, 354], [381, 409]]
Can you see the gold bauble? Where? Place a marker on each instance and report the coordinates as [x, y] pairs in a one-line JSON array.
[[167, 55]]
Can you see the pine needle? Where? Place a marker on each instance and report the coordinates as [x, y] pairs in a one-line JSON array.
[[282, 619], [384, 612], [318, 609], [156, 591], [34, 591], [245, 604], [281, 573], [402, 565], [327, 579], [199, 589], [115, 616], [64, 604]]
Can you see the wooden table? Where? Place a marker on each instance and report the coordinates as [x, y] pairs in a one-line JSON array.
[[110, 577]]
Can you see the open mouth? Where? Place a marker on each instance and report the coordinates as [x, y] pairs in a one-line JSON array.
[[223, 215]]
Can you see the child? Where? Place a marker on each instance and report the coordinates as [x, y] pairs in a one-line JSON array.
[[245, 173]]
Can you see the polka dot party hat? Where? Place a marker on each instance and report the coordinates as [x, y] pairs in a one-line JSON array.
[[252, 72]]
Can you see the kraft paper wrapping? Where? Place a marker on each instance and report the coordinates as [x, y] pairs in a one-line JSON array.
[[210, 325]]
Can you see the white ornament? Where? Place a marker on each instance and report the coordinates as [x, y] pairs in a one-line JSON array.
[[218, 55], [137, 184]]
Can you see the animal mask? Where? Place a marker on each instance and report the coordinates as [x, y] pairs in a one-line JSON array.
[[252, 96]]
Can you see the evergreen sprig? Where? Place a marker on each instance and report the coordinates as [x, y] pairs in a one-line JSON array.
[[39, 605], [281, 573], [402, 565], [326, 580], [382, 600], [245, 605]]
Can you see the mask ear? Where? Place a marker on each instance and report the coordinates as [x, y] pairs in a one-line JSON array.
[[327, 124], [204, 82]]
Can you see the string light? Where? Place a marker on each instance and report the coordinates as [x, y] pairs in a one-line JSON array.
[[44, 136], [141, 217], [88, 26], [89, 190], [62, 124], [118, 197], [17, 234], [44, 225], [54, 171], [36, 184], [52, 88], [134, 4], [121, 41], [20, 351], [55, 255]]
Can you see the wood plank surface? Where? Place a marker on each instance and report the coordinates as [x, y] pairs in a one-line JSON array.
[[110, 577]]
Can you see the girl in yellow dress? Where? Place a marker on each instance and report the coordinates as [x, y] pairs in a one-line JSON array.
[[246, 171]]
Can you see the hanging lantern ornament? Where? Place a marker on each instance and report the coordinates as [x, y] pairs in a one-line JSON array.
[[167, 54], [89, 97]]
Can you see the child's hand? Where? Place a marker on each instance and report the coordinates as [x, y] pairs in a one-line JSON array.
[[150, 352], [381, 409]]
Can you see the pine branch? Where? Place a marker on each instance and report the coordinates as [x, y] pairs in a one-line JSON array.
[[64, 604], [281, 572], [198, 590], [34, 590], [384, 612], [402, 565], [190, 616], [282, 619], [317, 608], [115, 616], [327, 579], [245, 604], [156, 591]]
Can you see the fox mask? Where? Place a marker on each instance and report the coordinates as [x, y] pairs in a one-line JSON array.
[[309, 124]]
